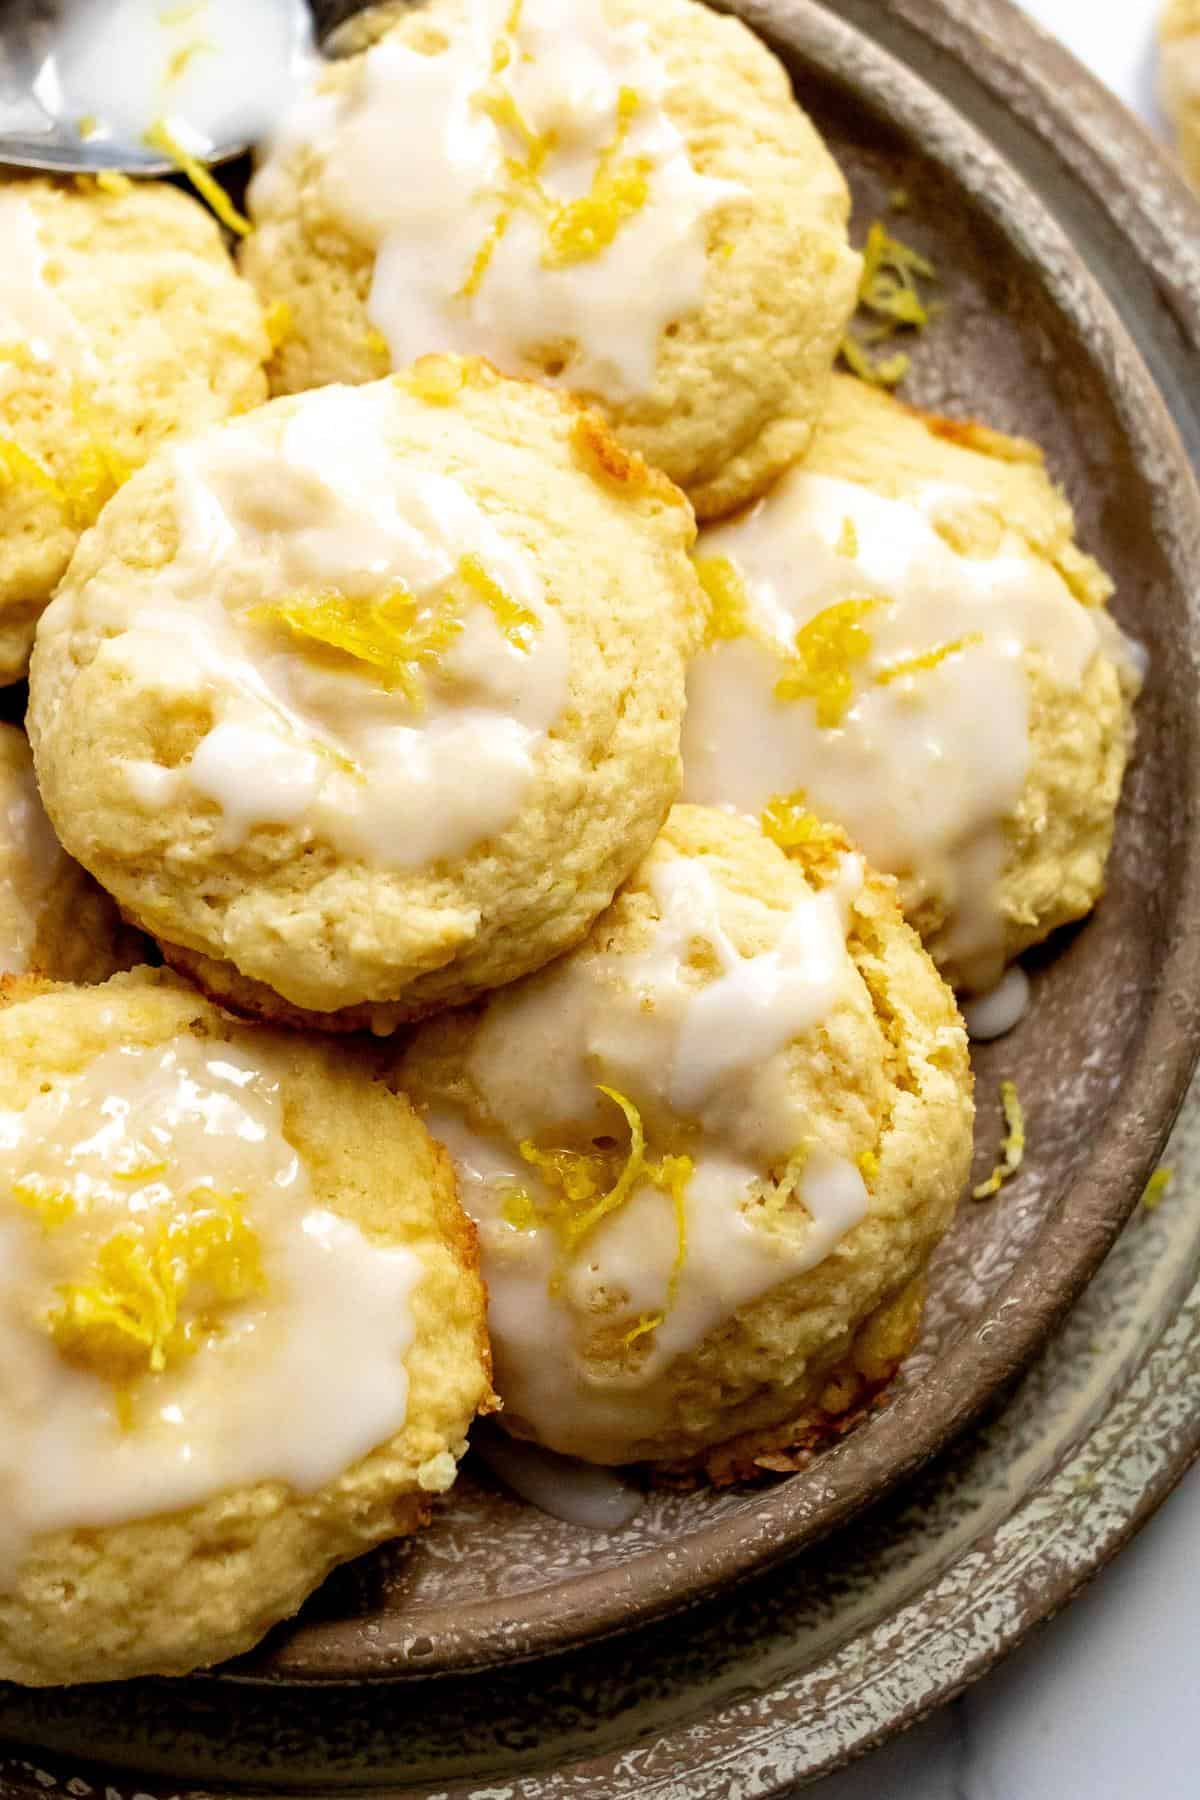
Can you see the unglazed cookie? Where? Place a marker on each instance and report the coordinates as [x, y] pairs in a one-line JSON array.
[[620, 196], [122, 323], [1179, 79], [241, 1327], [906, 639], [54, 920], [709, 1153], [369, 701]]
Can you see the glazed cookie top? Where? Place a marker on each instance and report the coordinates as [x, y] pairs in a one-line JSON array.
[[905, 638], [366, 667], [692, 1112], [122, 322], [604, 186], [175, 1268]]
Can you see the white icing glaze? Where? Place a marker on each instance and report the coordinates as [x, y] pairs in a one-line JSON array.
[[709, 1054], [208, 1117], [563, 1486], [306, 741], [566, 70], [219, 71], [31, 858], [994, 1014], [32, 315], [735, 1023], [539, 1335], [922, 770]]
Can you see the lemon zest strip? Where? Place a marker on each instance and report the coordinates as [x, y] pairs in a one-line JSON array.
[[122, 1320], [1156, 1187], [728, 602], [826, 649], [927, 659], [1012, 1150], [889, 292], [51, 1206], [159, 137]]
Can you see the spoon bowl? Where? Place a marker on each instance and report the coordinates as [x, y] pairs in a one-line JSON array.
[[40, 130]]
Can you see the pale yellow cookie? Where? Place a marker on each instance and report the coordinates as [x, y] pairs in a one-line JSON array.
[[709, 1153], [662, 230], [54, 920], [122, 323], [369, 701], [241, 1324], [906, 639]]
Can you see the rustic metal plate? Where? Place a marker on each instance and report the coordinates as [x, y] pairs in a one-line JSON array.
[[1001, 142]]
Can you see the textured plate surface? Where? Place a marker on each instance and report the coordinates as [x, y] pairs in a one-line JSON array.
[[790, 1674]]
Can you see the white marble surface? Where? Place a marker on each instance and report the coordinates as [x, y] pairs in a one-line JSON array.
[[1104, 1702]]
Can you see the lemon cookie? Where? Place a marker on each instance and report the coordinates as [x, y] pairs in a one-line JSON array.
[[122, 322], [1179, 79], [709, 1153], [906, 638], [202, 1222], [370, 701], [620, 196], [53, 918]]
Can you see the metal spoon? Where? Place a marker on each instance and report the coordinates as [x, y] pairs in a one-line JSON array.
[[31, 138]]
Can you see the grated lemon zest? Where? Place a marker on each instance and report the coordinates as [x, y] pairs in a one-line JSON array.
[[159, 137], [279, 323], [868, 1164], [123, 1319], [519, 1210], [574, 230], [588, 1186], [847, 543], [889, 292], [672, 1175], [393, 635], [1012, 1150], [517, 623], [113, 182], [826, 649], [99, 471], [787, 821], [579, 229], [19, 354], [376, 344], [145, 1170], [50, 1206], [481, 262], [927, 659], [883, 371], [728, 603], [17, 467], [398, 636], [502, 109], [87, 126], [502, 49], [178, 61], [589, 1183], [1156, 1187]]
